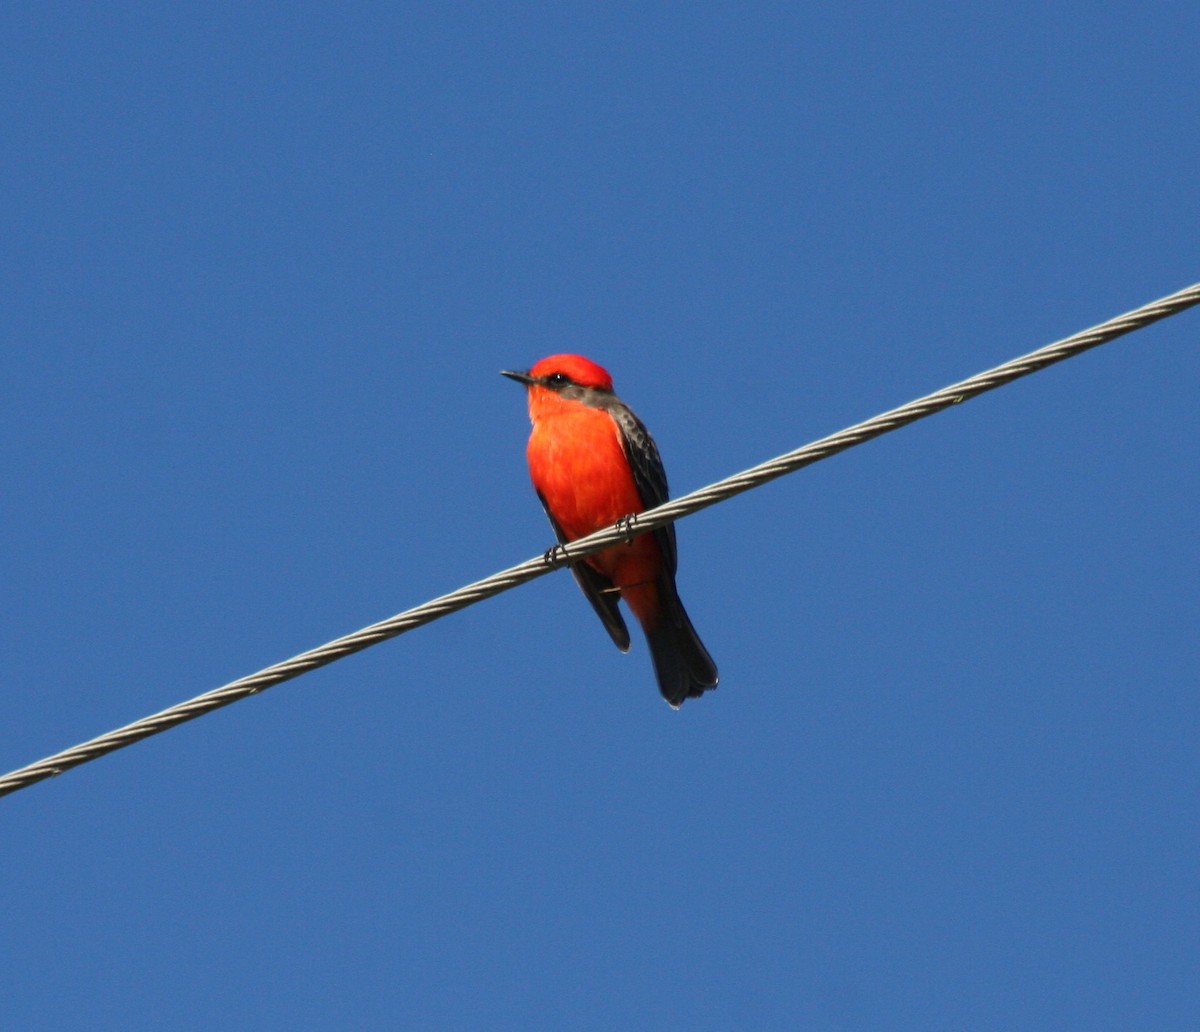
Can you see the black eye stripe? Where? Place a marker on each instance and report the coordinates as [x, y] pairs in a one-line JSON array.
[[557, 380]]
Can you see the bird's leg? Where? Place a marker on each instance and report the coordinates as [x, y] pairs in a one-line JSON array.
[[555, 555], [626, 524]]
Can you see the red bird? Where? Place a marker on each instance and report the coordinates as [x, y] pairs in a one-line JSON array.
[[592, 462]]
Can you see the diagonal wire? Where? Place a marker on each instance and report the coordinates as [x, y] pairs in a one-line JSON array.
[[561, 555]]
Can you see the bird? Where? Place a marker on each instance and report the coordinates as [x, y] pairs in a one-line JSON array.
[[594, 464]]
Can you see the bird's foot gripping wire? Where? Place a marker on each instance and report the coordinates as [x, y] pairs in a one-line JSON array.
[[555, 555], [626, 524]]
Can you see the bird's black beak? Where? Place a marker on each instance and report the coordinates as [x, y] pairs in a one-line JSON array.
[[520, 377]]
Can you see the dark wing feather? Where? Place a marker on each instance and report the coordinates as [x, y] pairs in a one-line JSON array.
[[597, 588], [681, 662], [648, 472]]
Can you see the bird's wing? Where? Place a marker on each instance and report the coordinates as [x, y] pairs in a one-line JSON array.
[[648, 473], [597, 588]]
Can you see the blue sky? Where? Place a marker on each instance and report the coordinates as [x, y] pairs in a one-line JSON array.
[[262, 266]]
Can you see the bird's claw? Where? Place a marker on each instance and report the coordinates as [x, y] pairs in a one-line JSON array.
[[554, 555], [626, 524]]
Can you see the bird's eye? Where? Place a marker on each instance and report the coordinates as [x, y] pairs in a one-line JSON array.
[[557, 380]]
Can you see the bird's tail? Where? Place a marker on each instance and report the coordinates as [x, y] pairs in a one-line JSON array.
[[684, 668]]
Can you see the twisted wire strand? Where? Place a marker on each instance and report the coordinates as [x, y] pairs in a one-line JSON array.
[[561, 555]]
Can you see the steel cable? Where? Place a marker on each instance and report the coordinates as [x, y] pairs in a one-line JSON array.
[[560, 555]]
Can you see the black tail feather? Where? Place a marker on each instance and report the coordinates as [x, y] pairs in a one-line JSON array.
[[684, 668]]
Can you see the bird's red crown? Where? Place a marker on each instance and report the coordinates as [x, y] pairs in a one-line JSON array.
[[575, 368]]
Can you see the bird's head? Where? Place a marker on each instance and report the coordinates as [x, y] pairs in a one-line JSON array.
[[562, 379], [561, 371]]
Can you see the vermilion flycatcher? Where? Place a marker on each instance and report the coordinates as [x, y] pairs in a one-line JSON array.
[[592, 462]]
